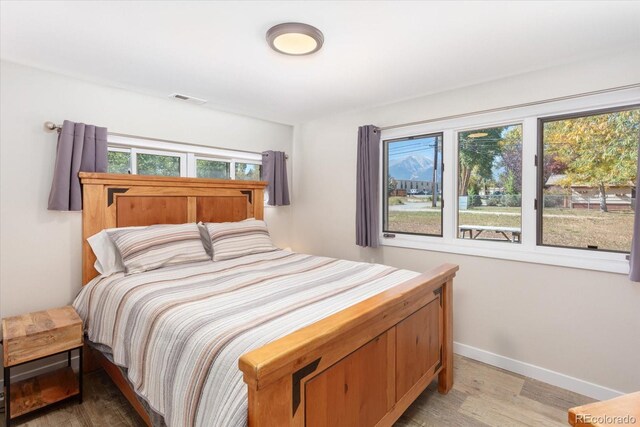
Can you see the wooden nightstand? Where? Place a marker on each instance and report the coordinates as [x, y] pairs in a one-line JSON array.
[[35, 336]]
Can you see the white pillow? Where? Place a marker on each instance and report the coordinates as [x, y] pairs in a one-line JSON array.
[[159, 246], [108, 259], [206, 240], [235, 239]]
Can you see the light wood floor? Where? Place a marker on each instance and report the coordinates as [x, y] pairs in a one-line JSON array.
[[482, 396]]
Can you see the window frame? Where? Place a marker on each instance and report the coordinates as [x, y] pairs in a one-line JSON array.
[[212, 159], [251, 162], [457, 175], [121, 150], [528, 251], [181, 156], [540, 170], [385, 166], [188, 153]]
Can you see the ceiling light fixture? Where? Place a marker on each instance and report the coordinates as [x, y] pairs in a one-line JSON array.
[[478, 135], [295, 38]]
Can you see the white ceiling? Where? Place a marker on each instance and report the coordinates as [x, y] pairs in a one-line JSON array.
[[375, 52]]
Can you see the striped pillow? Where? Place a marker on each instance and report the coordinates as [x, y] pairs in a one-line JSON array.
[[235, 239], [159, 246]]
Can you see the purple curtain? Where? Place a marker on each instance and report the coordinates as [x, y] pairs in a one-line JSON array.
[[274, 171], [634, 258], [367, 192], [80, 148]]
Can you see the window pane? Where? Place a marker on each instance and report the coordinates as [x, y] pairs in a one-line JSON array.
[[118, 162], [588, 180], [212, 169], [248, 171], [413, 185], [490, 183], [156, 164]]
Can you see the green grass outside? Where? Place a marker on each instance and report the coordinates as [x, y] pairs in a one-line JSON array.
[[561, 227], [581, 227]]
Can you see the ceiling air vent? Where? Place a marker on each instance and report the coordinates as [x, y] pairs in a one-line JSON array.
[[187, 98]]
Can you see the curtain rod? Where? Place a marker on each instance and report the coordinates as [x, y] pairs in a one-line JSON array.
[[52, 127], [509, 107]]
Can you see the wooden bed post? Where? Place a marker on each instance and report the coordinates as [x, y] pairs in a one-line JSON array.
[[267, 407], [445, 377]]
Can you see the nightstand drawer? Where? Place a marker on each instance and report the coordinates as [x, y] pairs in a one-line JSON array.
[[35, 335]]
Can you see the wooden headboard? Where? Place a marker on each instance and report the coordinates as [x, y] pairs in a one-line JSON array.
[[115, 200]]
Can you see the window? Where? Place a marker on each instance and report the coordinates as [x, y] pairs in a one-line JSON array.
[[413, 185], [212, 169], [587, 179], [119, 161], [248, 171], [154, 157], [158, 164], [490, 183], [549, 183]]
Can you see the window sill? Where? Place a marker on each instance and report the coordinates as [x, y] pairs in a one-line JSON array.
[[575, 258]]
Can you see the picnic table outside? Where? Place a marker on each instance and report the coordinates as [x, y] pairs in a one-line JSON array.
[[479, 229]]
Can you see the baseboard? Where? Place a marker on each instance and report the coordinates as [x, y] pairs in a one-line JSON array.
[[41, 370], [557, 379]]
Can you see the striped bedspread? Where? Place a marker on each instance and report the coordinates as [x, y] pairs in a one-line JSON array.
[[180, 330]]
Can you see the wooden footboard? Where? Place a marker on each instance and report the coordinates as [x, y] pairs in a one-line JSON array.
[[362, 366]]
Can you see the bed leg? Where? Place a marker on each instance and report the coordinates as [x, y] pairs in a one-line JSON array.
[[91, 362], [445, 378], [271, 405]]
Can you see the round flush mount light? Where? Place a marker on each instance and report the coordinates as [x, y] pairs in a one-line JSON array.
[[295, 38]]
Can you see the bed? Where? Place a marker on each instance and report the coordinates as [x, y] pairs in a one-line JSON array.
[[270, 339]]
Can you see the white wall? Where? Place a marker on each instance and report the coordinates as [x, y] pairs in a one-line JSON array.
[[579, 323], [40, 262]]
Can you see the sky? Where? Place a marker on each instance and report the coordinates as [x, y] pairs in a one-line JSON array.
[[418, 146]]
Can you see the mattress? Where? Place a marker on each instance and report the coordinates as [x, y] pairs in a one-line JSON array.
[[179, 331]]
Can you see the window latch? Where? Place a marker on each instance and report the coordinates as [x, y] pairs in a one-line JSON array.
[[388, 235]]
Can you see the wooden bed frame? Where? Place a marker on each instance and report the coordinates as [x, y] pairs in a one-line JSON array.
[[362, 366]]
